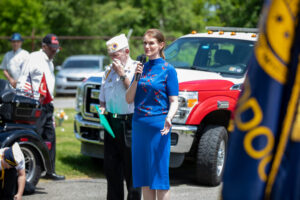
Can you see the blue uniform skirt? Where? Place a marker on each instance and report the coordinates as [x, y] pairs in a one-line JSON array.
[[150, 152]]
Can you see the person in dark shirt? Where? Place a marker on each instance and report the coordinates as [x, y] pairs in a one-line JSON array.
[[12, 168]]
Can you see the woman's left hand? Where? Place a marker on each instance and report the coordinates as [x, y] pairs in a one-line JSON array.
[[167, 126]]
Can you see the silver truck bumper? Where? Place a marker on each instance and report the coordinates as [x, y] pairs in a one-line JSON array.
[[182, 138], [91, 136], [182, 135], [81, 135]]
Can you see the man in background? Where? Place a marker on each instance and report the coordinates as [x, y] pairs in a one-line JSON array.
[[37, 78], [14, 59]]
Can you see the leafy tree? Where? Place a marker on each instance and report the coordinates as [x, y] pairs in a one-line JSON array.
[[186, 19], [117, 17], [176, 18], [205, 11], [112, 17], [23, 16], [89, 18], [238, 13], [72, 18]]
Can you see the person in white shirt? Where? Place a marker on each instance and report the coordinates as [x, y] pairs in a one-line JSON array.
[[12, 168], [14, 59], [117, 151], [37, 77]]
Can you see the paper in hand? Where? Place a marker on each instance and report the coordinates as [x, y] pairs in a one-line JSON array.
[[104, 122]]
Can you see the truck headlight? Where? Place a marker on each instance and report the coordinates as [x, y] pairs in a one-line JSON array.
[[186, 102], [236, 87], [79, 99]]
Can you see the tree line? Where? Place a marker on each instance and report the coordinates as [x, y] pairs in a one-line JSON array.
[[111, 17]]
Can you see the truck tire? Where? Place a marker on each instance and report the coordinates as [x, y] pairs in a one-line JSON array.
[[32, 164], [211, 154]]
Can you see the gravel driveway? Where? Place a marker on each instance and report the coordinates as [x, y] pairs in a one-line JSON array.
[[182, 185], [90, 189], [182, 180]]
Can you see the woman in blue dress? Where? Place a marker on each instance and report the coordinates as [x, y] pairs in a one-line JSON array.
[[155, 96]]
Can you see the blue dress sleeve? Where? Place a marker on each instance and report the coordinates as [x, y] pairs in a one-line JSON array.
[[172, 82]]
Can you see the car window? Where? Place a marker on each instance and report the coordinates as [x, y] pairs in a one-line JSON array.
[[219, 55], [77, 64]]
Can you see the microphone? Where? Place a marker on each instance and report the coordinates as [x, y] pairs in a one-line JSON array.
[[142, 59]]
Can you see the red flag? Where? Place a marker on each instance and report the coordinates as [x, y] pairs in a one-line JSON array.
[[43, 90]]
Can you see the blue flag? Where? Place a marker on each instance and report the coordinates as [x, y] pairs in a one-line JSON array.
[[263, 156]]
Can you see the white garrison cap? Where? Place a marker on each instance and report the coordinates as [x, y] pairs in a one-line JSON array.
[[18, 155], [117, 43]]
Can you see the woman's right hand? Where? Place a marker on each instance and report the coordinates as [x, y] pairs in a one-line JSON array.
[[167, 126], [139, 69]]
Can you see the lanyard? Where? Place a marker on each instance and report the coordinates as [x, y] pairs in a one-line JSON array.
[[107, 74]]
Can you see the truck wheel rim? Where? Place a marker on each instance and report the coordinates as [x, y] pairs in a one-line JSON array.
[[30, 163], [221, 158]]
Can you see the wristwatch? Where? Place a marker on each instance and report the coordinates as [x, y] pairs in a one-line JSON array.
[[122, 78]]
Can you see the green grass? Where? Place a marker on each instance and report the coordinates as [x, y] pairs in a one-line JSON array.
[[69, 161], [2, 75]]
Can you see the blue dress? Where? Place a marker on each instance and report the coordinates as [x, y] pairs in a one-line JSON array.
[[150, 149]]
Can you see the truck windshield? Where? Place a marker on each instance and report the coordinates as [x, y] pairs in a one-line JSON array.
[[225, 56]]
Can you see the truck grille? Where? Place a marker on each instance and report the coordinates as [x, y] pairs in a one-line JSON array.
[[90, 133], [75, 79], [91, 98], [71, 88]]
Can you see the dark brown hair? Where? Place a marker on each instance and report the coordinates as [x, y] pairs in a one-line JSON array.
[[158, 35]]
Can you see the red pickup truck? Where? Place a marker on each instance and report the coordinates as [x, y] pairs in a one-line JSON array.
[[211, 69]]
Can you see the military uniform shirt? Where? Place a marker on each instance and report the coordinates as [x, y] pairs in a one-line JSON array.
[[36, 65], [13, 62], [113, 91], [20, 165]]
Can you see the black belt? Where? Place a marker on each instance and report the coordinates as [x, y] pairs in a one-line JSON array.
[[119, 116]]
